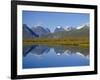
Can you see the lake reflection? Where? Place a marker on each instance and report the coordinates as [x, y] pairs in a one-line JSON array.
[[43, 56]]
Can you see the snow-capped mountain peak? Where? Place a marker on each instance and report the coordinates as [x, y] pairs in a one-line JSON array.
[[67, 28], [79, 27], [58, 26]]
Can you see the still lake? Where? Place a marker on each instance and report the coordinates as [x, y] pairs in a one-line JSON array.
[[44, 56]]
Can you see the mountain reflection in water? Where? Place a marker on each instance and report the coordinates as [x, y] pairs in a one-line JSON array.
[[42, 56]]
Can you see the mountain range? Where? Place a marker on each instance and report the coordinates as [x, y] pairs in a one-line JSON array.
[[59, 32]]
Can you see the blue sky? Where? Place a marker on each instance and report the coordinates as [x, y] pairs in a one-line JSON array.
[[53, 19]]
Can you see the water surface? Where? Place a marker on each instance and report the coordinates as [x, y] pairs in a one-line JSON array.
[[43, 56]]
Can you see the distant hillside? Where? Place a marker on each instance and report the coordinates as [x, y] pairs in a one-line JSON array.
[[83, 32], [40, 30], [28, 33], [59, 32]]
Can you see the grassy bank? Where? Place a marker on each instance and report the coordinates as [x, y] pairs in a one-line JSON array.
[[82, 42]]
